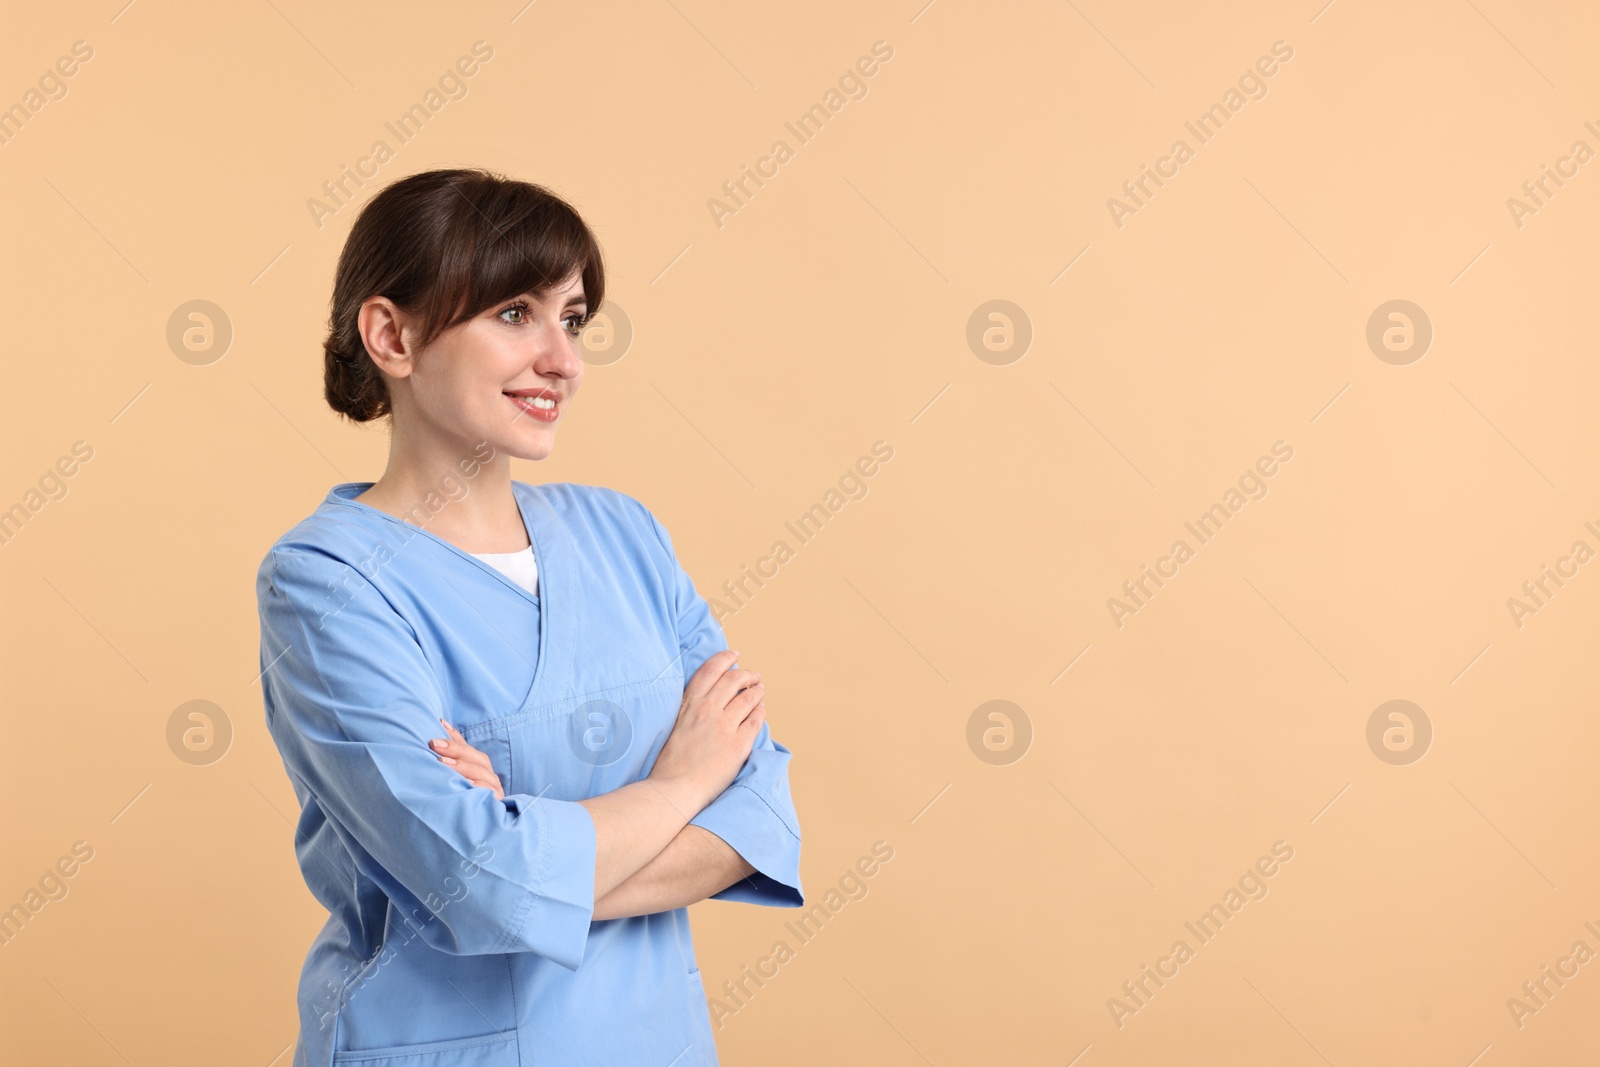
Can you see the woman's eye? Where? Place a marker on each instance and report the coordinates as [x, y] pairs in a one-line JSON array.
[[574, 322]]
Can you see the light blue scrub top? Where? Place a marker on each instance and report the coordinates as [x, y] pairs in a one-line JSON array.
[[460, 926]]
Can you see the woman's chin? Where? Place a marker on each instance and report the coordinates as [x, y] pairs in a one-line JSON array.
[[530, 450]]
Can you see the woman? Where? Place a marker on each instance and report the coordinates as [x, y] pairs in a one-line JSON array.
[[519, 742]]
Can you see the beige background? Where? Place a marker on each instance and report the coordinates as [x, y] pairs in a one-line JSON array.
[[830, 312]]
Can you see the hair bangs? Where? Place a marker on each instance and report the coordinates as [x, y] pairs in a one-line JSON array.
[[505, 241]]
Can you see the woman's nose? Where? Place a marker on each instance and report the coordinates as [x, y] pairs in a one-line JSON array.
[[558, 353]]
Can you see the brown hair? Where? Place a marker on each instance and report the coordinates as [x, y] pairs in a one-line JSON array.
[[446, 245]]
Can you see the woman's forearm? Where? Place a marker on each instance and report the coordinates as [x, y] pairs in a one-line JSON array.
[[634, 824], [696, 864], [717, 724]]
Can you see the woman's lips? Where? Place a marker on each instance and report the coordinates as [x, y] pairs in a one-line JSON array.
[[525, 406]]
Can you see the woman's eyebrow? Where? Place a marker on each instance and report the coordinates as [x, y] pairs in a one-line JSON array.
[[534, 297], [538, 297]]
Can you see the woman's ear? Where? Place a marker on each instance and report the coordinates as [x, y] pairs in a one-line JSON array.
[[383, 325]]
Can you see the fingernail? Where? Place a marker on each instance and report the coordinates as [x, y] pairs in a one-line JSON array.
[[446, 725], [446, 759], [440, 745]]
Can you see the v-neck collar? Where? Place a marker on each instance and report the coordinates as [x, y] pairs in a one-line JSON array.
[[553, 547], [336, 497]]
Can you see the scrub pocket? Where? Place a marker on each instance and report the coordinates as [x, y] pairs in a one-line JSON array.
[[496, 1050]]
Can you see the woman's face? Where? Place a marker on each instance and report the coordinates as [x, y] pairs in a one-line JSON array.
[[506, 375]]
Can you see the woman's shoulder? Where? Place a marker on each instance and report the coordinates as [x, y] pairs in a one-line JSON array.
[[333, 537], [596, 501], [599, 507]]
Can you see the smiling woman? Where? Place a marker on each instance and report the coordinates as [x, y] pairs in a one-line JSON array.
[[511, 788]]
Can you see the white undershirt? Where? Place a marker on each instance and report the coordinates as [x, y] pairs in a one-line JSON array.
[[518, 566]]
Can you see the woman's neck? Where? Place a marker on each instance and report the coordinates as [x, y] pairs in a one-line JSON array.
[[463, 499]]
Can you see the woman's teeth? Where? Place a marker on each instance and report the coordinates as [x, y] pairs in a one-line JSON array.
[[544, 403]]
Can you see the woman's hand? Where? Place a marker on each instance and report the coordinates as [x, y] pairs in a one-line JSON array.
[[721, 713], [468, 761]]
